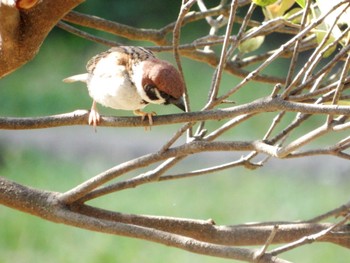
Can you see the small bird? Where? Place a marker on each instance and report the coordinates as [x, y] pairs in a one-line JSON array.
[[129, 78]]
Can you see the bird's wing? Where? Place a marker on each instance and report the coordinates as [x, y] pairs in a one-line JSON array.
[[135, 53], [122, 55]]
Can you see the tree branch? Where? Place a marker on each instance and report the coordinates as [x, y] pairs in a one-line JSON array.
[[192, 235], [266, 104], [16, 196], [23, 31]]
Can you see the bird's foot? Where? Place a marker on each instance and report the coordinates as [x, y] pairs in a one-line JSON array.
[[143, 115], [94, 116]]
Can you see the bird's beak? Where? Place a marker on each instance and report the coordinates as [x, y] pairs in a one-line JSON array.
[[179, 103]]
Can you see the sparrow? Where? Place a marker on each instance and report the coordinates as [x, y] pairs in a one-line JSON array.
[[129, 78]]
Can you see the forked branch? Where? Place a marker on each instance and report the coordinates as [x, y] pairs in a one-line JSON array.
[[316, 88]]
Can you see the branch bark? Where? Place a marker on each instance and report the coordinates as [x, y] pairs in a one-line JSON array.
[[47, 206], [266, 104], [23, 31], [196, 236]]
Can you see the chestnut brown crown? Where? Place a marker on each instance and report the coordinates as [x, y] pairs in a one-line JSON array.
[[166, 78]]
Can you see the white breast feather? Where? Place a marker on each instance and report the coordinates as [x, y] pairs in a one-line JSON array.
[[110, 86]]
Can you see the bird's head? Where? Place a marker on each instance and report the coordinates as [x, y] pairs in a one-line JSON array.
[[162, 83]]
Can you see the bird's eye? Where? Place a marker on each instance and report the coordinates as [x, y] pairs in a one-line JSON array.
[[149, 87], [151, 91]]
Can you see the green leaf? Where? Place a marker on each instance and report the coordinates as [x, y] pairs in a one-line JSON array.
[[264, 2], [296, 20], [251, 44], [302, 3], [320, 35], [277, 9]]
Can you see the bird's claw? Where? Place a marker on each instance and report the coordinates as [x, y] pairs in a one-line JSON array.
[[143, 115], [94, 116]]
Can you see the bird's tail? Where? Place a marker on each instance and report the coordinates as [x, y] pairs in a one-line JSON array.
[[75, 78]]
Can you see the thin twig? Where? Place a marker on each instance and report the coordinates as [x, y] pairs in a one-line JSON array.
[[326, 68], [214, 89], [301, 141], [341, 83], [317, 53], [308, 239], [185, 7], [253, 73], [322, 48], [267, 243], [295, 55], [276, 120], [115, 28], [223, 56], [86, 35], [88, 186], [241, 162], [305, 44], [148, 177], [333, 213], [228, 126]]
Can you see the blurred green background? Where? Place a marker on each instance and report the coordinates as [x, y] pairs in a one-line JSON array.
[[58, 159]]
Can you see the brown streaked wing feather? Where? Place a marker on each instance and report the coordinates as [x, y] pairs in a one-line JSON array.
[[125, 54], [90, 66], [121, 58], [136, 53]]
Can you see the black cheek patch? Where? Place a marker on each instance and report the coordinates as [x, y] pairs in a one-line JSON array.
[[151, 93]]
